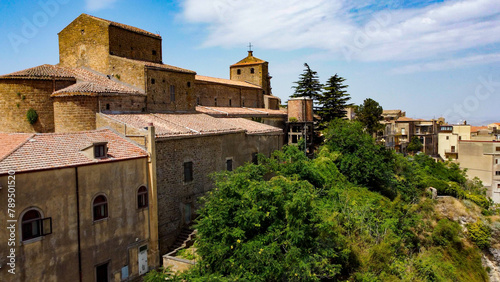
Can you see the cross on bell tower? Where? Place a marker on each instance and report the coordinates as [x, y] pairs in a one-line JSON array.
[[250, 46]]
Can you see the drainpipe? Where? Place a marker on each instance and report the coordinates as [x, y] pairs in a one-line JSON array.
[[153, 196], [78, 224]]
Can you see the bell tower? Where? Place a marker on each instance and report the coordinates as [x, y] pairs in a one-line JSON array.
[[252, 70]]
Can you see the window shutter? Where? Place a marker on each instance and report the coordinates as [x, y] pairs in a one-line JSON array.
[[46, 226]]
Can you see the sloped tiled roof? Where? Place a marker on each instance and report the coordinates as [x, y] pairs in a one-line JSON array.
[[183, 125], [174, 125], [408, 119], [252, 127], [477, 128], [93, 84], [249, 60], [10, 141], [42, 72], [58, 150], [127, 27], [226, 81], [156, 65], [240, 112]]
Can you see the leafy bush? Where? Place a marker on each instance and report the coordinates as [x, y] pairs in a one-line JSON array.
[[446, 232], [479, 233], [31, 116]]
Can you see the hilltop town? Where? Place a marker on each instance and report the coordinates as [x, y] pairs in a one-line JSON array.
[[106, 154]]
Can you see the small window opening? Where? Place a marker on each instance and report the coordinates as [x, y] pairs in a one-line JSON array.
[[100, 150], [154, 52], [188, 171], [100, 207], [238, 71], [230, 103], [229, 165], [142, 197], [189, 84], [252, 70], [172, 93], [107, 107], [215, 101], [153, 81]]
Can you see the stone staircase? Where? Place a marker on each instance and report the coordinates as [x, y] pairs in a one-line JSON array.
[[184, 240]]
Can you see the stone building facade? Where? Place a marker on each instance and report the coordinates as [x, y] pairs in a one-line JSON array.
[[61, 232], [112, 75], [206, 143]]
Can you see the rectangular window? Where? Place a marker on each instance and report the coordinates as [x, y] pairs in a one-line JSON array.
[[496, 161], [100, 151], [459, 137], [188, 171], [172, 93], [497, 172], [498, 149], [447, 137], [229, 165]]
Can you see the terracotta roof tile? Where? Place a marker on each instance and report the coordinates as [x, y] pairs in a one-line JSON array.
[[42, 72], [226, 81], [157, 65], [172, 125], [10, 141], [477, 128], [249, 60], [57, 150], [240, 112], [127, 27], [252, 127], [93, 84]]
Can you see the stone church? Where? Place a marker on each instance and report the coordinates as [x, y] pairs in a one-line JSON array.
[[139, 136]]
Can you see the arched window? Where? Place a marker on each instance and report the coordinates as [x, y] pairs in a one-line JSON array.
[[142, 197], [31, 225], [238, 71], [100, 207]]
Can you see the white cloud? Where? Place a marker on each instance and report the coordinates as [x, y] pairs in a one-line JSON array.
[[95, 5], [448, 64], [350, 31]]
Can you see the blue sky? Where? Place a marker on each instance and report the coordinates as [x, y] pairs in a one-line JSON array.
[[428, 58]]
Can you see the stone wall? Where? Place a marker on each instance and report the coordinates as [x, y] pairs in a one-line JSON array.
[[76, 113], [85, 42], [128, 44], [158, 89], [17, 96], [208, 154], [301, 109], [227, 95], [130, 72], [53, 193], [258, 77]]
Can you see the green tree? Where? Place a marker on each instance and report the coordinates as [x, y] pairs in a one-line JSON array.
[[370, 114], [308, 84], [415, 145], [333, 99], [362, 161]]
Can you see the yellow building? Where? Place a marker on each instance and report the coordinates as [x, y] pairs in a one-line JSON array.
[[482, 160]]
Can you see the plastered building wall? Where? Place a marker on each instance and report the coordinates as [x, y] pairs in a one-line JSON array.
[[53, 193]]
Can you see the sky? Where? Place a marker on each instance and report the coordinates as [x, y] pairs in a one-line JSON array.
[[430, 58]]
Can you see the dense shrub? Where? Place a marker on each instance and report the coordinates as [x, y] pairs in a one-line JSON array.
[[479, 233]]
